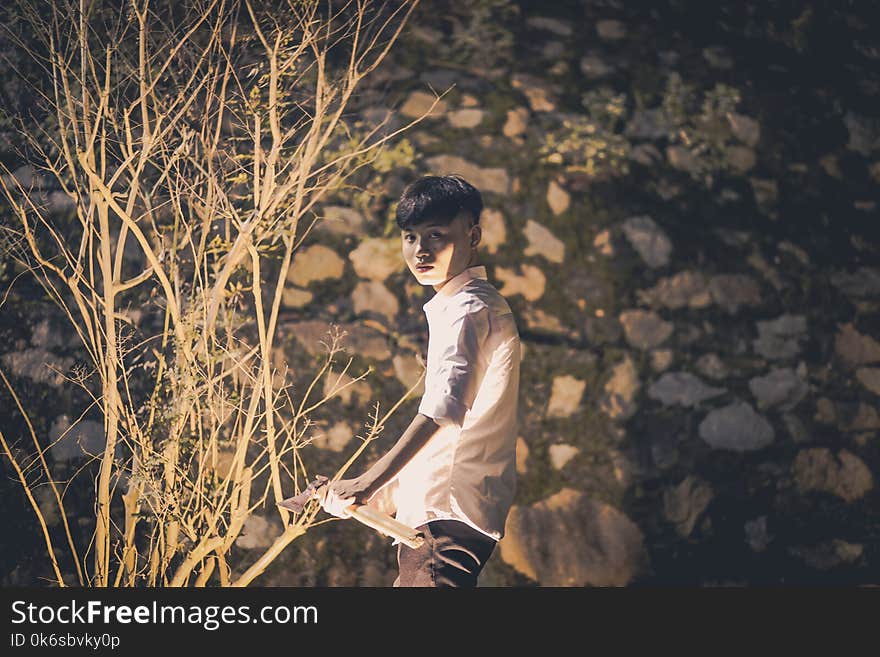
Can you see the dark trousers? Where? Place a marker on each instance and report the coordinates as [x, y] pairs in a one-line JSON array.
[[453, 555]]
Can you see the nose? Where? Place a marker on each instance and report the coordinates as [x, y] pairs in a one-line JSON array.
[[421, 248]]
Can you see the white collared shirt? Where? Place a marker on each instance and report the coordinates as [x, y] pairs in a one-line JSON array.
[[467, 470]]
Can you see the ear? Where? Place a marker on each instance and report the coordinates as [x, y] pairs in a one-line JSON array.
[[476, 234]]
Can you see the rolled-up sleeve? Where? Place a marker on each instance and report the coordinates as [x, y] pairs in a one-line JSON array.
[[450, 390]]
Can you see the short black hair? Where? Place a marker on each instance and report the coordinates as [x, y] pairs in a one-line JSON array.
[[438, 198]]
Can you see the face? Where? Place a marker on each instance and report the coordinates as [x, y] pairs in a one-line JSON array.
[[435, 253]]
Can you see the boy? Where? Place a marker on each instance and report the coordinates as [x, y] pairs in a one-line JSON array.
[[455, 463]]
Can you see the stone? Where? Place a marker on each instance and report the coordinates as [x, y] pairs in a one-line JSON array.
[[293, 297], [711, 366], [682, 158], [733, 291], [466, 118], [60, 202], [610, 30], [684, 504], [741, 159], [682, 388], [645, 329], [734, 238], [310, 334], [782, 387], [585, 285], [315, 263], [757, 536], [826, 412], [554, 50], [427, 34], [831, 166], [687, 289], [870, 378], [828, 554], [83, 439], [377, 258], [537, 319], [538, 93], [691, 333], [620, 391], [779, 338], [543, 243], [557, 198], [366, 341], [522, 456], [756, 260], [554, 25], [353, 338], [602, 330], [419, 103], [844, 475], [493, 180], [855, 348], [340, 385], [48, 505], [39, 365], [649, 240], [24, 176], [664, 450], [384, 120], [787, 247], [409, 371], [865, 418], [565, 397], [646, 155], [594, 67], [864, 133], [516, 123], [648, 124], [744, 128], [661, 359], [373, 296], [46, 336], [494, 232], [561, 454], [766, 192], [736, 427], [602, 242], [335, 438], [570, 540], [718, 57], [864, 282], [340, 220], [257, 533], [530, 283]]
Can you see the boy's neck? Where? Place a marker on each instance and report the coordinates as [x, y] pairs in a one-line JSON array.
[[437, 288]]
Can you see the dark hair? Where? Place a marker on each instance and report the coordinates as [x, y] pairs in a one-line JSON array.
[[438, 198]]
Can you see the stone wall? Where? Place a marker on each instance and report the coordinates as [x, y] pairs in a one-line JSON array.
[[681, 209]]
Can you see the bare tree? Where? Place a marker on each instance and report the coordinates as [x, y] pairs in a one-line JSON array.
[[194, 140]]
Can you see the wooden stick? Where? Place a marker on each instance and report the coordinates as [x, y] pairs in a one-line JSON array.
[[385, 524]]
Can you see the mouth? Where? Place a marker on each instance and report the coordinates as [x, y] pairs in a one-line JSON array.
[[424, 268]]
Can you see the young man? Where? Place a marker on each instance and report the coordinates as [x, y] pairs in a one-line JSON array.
[[455, 463]]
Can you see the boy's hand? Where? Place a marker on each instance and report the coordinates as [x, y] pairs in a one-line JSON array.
[[337, 496]]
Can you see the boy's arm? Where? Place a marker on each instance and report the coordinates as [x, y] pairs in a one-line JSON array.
[[344, 492]]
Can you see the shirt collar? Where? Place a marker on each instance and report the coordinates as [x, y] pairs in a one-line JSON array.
[[453, 285]]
